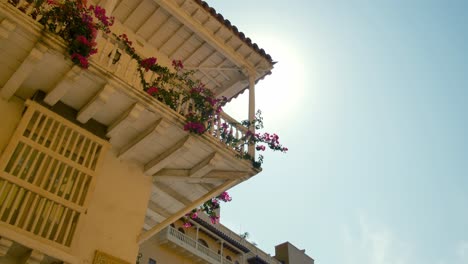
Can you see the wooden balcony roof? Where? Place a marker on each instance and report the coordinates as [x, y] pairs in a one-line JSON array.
[[195, 33]]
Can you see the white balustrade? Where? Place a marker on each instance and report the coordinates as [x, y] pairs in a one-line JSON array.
[[190, 244]]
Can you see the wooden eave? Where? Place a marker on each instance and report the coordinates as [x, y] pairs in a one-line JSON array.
[[195, 33]]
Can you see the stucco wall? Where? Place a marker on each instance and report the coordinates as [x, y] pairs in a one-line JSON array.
[[116, 211], [10, 115]]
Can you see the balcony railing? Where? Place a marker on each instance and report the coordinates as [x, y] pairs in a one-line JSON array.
[[192, 246], [113, 58]]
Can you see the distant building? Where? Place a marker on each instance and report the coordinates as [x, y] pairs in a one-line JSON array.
[[287, 253], [212, 244]]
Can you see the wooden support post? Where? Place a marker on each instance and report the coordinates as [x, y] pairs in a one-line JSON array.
[[252, 110]]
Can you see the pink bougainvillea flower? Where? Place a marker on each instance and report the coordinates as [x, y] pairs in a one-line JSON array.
[[187, 224], [195, 127], [214, 219], [225, 197], [148, 63], [152, 90], [177, 64], [83, 40], [80, 59], [260, 148]]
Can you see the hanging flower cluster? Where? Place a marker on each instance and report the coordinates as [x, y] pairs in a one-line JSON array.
[[77, 24], [260, 140], [177, 87], [209, 208]]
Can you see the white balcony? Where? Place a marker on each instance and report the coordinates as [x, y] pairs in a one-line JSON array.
[[190, 247]]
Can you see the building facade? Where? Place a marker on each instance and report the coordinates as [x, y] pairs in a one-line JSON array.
[[209, 243], [91, 166]]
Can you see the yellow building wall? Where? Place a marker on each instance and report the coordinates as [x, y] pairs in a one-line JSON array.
[[10, 112], [116, 211]]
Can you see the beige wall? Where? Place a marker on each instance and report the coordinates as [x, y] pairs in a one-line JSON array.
[[116, 211], [10, 112]]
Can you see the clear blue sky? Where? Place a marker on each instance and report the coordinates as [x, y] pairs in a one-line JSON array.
[[371, 97]]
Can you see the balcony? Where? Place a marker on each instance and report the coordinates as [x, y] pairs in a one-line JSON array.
[[190, 247], [107, 99]]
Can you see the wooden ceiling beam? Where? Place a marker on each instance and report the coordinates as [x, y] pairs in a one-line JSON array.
[[213, 80], [150, 222], [214, 192], [233, 88], [171, 36], [125, 120], [167, 156], [173, 193], [207, 58], [222, 174], [204, 166], [195, 52], [158, 30], [133, 12], [207, 35], [140, 139], [179, 47], [152, 17], [213, 176], [161, 178], [158, 209], [95, 104]]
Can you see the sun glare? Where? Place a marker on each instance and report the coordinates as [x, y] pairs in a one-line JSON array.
[[280, 94]]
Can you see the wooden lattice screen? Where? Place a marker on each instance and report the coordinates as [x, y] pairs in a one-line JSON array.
[[47, 172]]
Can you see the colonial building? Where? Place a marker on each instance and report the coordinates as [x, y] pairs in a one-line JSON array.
[[92, 166], [209, 243]]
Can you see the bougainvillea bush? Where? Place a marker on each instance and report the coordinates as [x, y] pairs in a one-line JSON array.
[[77, 23], [209, 208]]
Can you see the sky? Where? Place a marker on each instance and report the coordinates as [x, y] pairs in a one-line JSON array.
[[371, 98]]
